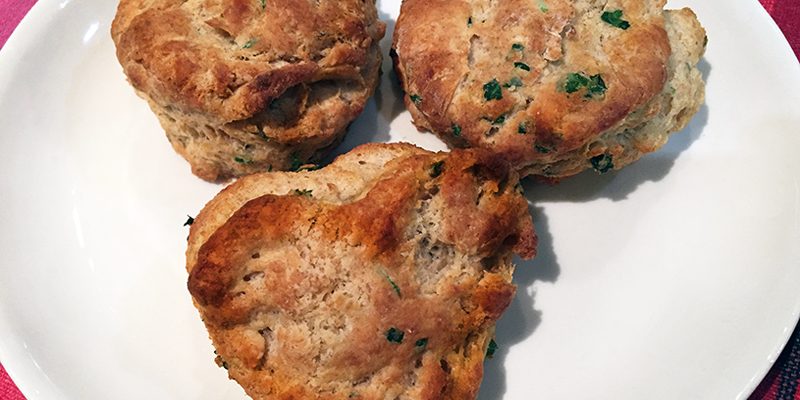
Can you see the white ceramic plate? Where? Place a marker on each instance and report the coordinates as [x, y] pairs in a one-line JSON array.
[[676, 278]]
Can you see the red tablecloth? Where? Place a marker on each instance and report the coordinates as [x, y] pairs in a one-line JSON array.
[[784, 378]]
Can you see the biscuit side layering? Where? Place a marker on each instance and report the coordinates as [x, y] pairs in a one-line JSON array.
[[242, 86]]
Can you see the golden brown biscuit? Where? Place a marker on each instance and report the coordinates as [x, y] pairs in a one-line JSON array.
[[555, 86], [242, 86], [379, 276]]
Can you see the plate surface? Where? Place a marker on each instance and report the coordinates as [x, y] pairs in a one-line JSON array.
[[675, 278]]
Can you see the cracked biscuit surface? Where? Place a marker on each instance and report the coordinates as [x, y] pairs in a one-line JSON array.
[[242, 86], [379, 276], [555, 86]]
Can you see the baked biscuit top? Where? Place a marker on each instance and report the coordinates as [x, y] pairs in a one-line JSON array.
[[230, 58], [531, 79], [379, 276]]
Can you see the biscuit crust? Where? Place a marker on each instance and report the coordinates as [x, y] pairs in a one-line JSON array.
[[305, 280], [247, 85], [550, 84]]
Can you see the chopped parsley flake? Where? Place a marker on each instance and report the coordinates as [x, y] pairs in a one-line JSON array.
[[541, 149], [514, 82], [602, 163], [517, 47], [574, 82], [499, 120], [614, 18], [491, 349], [456, 130], [523, 128], [189, 221], [242, 160], [522, 66], [492, 90], [469, 21], [249, 44], [416, 99], [303, 192], [436, 169], [395, 335], [543, 6], [296, 163], [421, 342], [391, 282], [263, 4], [595, 86]]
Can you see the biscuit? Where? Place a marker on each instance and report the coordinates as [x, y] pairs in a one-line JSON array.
[[242, 86], [378, 276], [555, 86]]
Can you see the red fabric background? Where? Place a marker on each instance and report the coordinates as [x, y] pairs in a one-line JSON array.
[[782, 381]]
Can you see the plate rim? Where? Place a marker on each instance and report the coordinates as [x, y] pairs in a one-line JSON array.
[[34, 383]]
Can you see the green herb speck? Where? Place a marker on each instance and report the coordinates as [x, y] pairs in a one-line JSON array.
[[421, 342], [436, 169], [492, 90], [456, 130], [522, 66], [602, 163], [303, 192], [391, 282], [499, 120], [614, 18], [514, 82], [395, 335], [242, 160], [491, 349], [523, 128], [543, 6], [469, 21], [189, 221], [574, 82], [263, 4], [595, 86], [541, 149], [517, 47], [296, 162], [249, 44], [415, 98]]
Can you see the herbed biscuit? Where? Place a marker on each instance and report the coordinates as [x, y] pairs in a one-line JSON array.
[[242, 86], [555, 86], [379, 276]]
